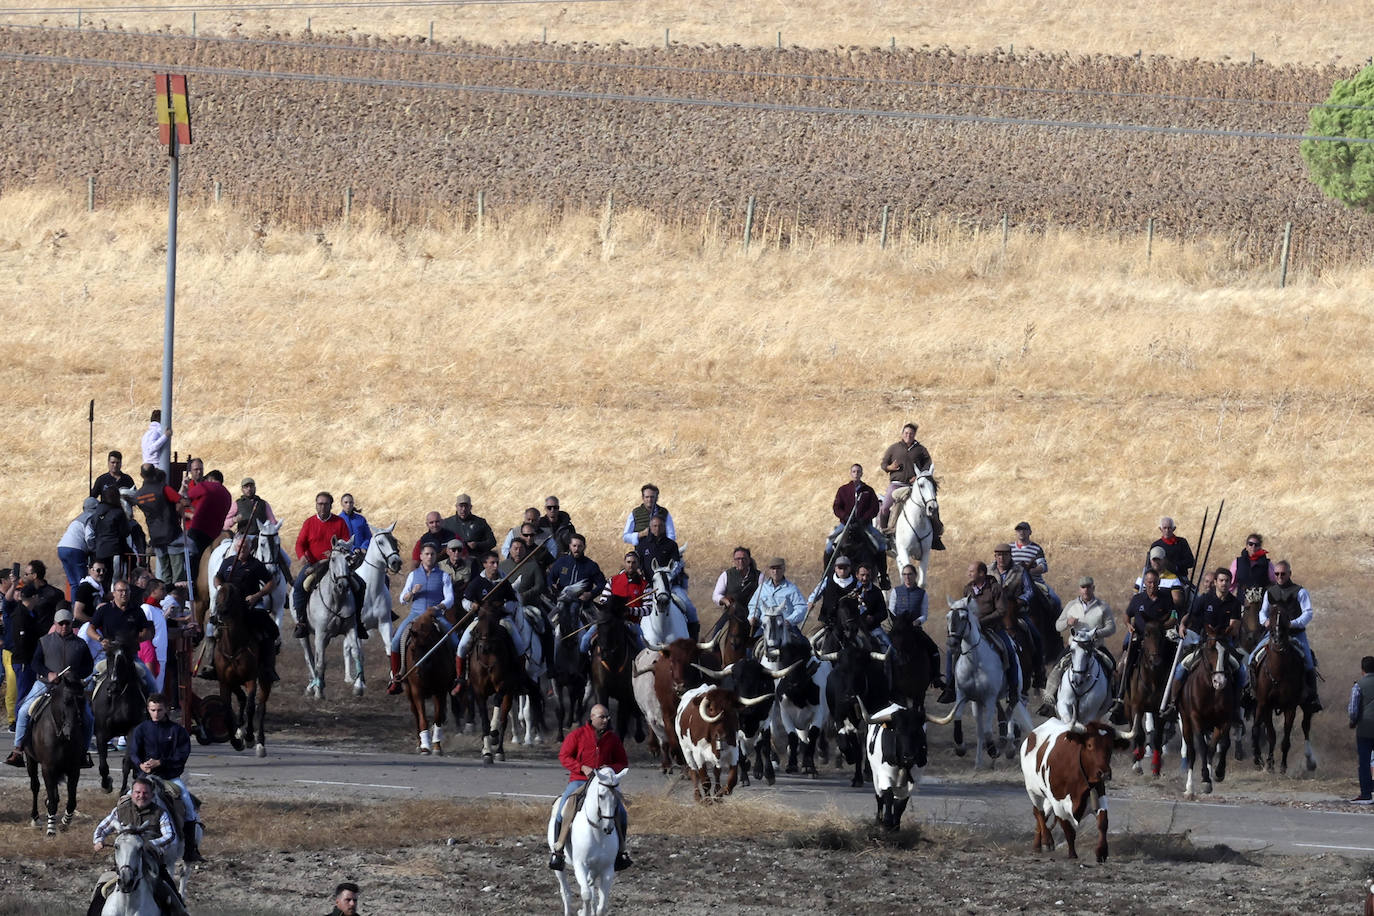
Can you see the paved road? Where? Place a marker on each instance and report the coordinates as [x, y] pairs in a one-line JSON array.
[[335, 774]]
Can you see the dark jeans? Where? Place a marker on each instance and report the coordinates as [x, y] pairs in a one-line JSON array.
[[1364, 747], [199, 542]]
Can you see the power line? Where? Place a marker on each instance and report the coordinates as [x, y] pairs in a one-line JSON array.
[[708, 71], [268, 7], [729, 104]]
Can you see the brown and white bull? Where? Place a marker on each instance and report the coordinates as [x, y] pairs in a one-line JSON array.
[[707, 727], [1067, 769], [661, 677]]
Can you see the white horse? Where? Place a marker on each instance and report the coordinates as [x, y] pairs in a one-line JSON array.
[[913, 530], [1084, 694], [330, 612], [519, 623], [592, 844], [133, 891], [978, 679], [382, 556], [267, 549], [665, 619]]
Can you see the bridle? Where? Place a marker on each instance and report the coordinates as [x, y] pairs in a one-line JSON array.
[[387, 547], [607, 801]]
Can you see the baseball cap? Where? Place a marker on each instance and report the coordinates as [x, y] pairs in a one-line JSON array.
[[1085, 581], [248, 482], [63, 616], [453, 542], [1157, 552], [777, 563]]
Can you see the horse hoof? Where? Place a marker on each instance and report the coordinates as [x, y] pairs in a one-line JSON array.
[[35, 823], [486, 760], [960, 751], [1311, 765], [1283, 770], [1137, 768], [1206, 788], [261, 750], [106, 784], [52, 831], [359, 690], [791, 768], [423, 750], [236, 743], [438, 751], [501, 757]]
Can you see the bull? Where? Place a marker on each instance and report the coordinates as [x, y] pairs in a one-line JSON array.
[[661, 677], [707, 731], [1067, 769], [857, 681], [755, 689], [801, 708], [896, 744]]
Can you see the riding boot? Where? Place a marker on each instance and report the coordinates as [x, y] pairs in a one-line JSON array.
[[190, 848], [693, 630], [948, 695], [937, 529], [16, 758], [1169, 710], [302, 630], [394, 687], [267, 656], [1311, 701], [462, 680], [622, 858], [207, 660]]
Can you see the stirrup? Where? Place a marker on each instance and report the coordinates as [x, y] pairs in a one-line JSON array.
[[623, 861], [556, 861]]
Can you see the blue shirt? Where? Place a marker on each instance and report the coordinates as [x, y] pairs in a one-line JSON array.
[[436, 588], [784, 595], [358, 528]]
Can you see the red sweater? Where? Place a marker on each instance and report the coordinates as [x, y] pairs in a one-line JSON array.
[[210, 504], [317, 537], [582, 748]]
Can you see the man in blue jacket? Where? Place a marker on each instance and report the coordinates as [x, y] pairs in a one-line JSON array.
[[160, 747]]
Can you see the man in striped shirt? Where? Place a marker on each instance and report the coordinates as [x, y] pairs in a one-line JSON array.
[[1030, 555]]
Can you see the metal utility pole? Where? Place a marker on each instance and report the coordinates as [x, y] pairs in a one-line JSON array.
[[174, 126]]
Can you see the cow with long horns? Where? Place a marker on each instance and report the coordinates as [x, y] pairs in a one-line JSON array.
[[896, 745], [1067, 769], [707, 727]]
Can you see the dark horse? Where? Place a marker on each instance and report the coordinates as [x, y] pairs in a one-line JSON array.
[[55, 747], [908, 664], [1149, 676], [427, 658], [1206, 707], [118, 704], [733, 639], [569, 669], [856, 542], [1278, 687], [612, 661], [241, 669], [496, 673]]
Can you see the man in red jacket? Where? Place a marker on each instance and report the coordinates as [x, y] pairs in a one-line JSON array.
[[584, 751], [209, 502], [312, 546]]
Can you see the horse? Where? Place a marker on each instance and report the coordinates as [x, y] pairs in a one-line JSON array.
[[908, 664], [778, 644], [978, 680], [732, 641], [1085, 694], [1278, 685], [612, 669], [913, 531], [330, 612], [238, 666], [118, 705], [132, 894], [529, 707], [497, 673], [569, 665], [427, 658], [383, 556], [856, 541], [592, 844], [1251, 630], [1205, 707], [55, 748], [664, 620], [1149, 679]]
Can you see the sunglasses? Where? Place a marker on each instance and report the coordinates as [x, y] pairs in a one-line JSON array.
[[1252, 543]]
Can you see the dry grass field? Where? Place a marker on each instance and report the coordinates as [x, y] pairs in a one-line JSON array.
[[1064, 381], [1281, 32]]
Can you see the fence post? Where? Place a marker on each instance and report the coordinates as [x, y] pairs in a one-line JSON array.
[[882, 239], [90, 194], [348, 203], [665, 38], [193, 25], [748, 222], [1283, 260], [1149, 239], [78, 19], [1005, 230], [780, 41], [431, 32], [307, 24], [481, 211], [546, 35], [218, 191]]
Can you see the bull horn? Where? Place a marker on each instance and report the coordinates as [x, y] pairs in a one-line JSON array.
[[701, 708], [1078, 728], [828, 656], [779, 675], [878, 656], [941, 720], [1124, 736], [712, 673], [754, 701]]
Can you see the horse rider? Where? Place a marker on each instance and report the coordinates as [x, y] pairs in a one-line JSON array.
[[313, 546], [160, 747], [777, 591], [1016, 581], [250, 510], [1031, 557], [1220, 611], [634, 591], [831, 590], [735, 585], [358, 528], [526, 578], [1149, 605], [1290, 599], [657, 548], [141, 812], [1252, 569], [984, 594], [586, 750], [472, 530], [902, 461], [119, 622], [872, 606], [555, 528], [531, 517], [455, 562], [1090, 612], [637, 522], [346, 895], [427, 586], [56, 652], [1178, 556], [488, 588], [254, 581], [436, 534], [908, 603], [1170, 581], [576, 567], [856, 503]]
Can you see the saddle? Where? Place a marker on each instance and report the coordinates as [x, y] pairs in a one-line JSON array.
[[1194, 655], [569, 814], [1263, 650], [312, 578], [38, 704]]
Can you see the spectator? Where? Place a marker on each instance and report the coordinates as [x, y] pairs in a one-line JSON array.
[[114, 477], [1361, 711], [345, 900], [154, 441], [74, 550]]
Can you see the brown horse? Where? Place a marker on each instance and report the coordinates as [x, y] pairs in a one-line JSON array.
[[427, 658], [1278, 687], [1148, 679], [496, 673], [1251, 630], [1206, 707], [733, 639], [56, 746], [241, 669], [612, 671]]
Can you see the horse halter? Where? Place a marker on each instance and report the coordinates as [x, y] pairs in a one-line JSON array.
[[389, 550], [607, 796]]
